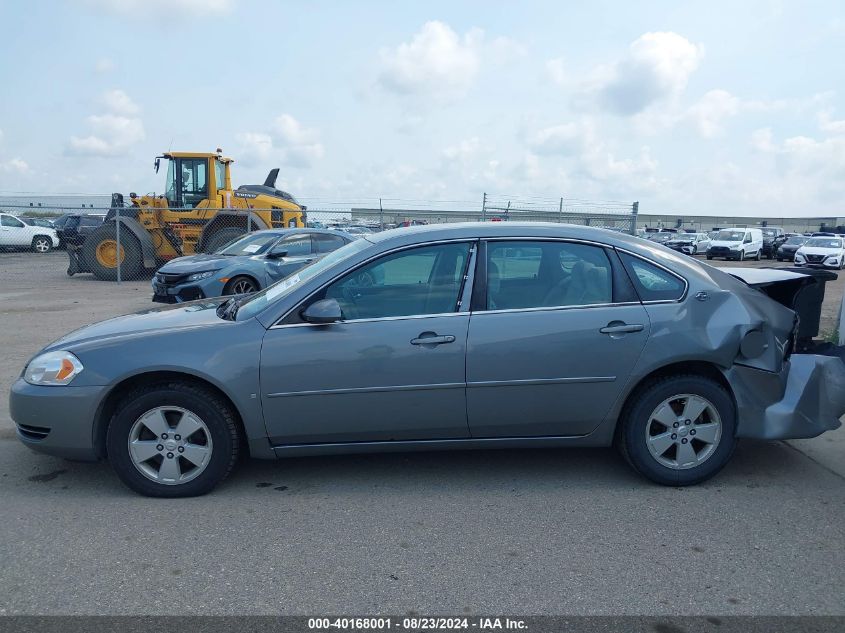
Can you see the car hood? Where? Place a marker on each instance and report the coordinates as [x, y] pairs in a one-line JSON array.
[[194, 314], [198, 263], [819, 251], [678, 242], [727, 243]]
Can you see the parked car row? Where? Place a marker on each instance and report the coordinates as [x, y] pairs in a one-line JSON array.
[[17, 234], [247, 264]]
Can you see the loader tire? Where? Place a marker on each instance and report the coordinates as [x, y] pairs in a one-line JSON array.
[[221, 238], [100, 252]]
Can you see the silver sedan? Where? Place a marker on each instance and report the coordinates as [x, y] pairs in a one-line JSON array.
[[440, 337]]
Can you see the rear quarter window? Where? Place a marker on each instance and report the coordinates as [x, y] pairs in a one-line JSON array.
[[652, 282]]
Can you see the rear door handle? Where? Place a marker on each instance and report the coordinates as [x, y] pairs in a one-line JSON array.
[[616, 327], [430, 338]]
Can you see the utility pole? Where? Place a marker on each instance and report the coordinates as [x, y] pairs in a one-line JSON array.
[[635, 209], [560, 212], [380, 215], [484, 208]]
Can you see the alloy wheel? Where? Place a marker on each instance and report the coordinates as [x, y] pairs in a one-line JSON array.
[[41, 245], [243, 286], [170, 445], [683, 431]]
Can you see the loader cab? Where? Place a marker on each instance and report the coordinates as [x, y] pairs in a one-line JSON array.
[[193, 179]]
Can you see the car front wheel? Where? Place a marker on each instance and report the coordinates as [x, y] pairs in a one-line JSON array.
[[42, 244], [679, 431], [240, 285], [173, 440]]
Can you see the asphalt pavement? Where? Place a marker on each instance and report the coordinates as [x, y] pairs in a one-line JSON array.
[[495, 532]]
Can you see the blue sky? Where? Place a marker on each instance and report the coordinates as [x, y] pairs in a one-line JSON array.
[[706, 107]]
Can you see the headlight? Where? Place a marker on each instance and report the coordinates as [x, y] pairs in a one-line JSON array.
[[52, 368], [203, 275]]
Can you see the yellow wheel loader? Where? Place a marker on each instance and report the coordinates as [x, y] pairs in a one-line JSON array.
[[198, 213]]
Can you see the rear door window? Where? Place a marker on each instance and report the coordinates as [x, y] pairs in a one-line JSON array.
[[652, 282], [536, 274]]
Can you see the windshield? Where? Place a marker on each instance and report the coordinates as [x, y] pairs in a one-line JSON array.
[[797, 239], [730, 236], [770, 232], [260, 300], [823, 242], [252, 244]]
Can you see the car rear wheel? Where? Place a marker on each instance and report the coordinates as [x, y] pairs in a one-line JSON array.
[[173, 440], [42, 244], [758, 256], [679, 431], [240, 285]]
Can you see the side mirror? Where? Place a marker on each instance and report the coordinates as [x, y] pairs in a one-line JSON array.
[[323, 311], [277, 254]]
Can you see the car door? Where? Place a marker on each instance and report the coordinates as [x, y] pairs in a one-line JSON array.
[[13, 232], [288, 255], [551, 361], [392, 369]]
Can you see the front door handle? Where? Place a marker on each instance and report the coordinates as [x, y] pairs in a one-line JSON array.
[[618, 327], [430, 338]]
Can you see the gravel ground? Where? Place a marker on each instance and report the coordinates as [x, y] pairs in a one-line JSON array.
[[521, 532]]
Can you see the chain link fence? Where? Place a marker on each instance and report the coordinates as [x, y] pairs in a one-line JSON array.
[[233, 253]]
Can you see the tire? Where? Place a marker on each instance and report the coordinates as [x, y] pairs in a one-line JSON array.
[[780, 259], [221, 238], [100, 246], [213, 442], [42, 244], [758, 256], [709, 257], [240, 285], [639, 421]]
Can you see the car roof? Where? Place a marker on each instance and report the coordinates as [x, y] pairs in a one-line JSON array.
[[281, 232]]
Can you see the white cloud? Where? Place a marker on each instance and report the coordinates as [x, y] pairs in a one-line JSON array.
[[656, 68], [119, 102], [762, 140], [104, 65], [556, 71], [805, 170], [114, 132], [439, 62], [163, 8], [564, 139], [710, 112], [287, 141], [14, 165], [827, 123], [462, 151]]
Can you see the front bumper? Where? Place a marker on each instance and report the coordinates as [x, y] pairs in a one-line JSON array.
[[804, 400], [823, 264], [56, 420], [723, 251], [186, 291], [687, 249]]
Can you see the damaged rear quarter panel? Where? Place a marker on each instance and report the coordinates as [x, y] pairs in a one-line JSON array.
[[746, 335]]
